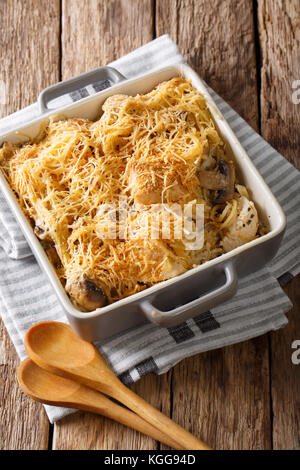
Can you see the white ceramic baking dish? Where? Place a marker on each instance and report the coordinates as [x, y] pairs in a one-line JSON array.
[[170, 302]]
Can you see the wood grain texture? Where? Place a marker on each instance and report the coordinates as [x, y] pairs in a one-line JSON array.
[[222, 396], [95, 32], [217, 40], [285, 378], [29, 33], [24, 424], [228, 390], [29, 44], [279, 29]]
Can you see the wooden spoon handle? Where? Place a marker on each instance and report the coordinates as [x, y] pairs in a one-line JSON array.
[[93, 401], [158, 419], [49, 388]]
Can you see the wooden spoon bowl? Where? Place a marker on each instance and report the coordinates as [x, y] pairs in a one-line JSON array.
[[57, 345], [44, 386]]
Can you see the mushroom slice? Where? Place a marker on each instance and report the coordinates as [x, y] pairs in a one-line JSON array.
[[52, 254], [86, 293], [220, 181], [42, 234]]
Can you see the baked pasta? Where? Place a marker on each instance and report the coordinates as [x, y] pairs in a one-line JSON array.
[[158, 150]]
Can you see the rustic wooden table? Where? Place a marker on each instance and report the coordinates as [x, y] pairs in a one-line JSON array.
[[241, 397]]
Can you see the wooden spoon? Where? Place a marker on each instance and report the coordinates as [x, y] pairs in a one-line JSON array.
[[54, 346], [52, 389]]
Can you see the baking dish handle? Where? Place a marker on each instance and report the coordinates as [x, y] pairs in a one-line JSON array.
[[104, 77], [200, 305]]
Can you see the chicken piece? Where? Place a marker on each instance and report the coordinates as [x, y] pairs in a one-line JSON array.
[[147, 184], [171, 268], [245, 226], [86, 293], [162, 261]]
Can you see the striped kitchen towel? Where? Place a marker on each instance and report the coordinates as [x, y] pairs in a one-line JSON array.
[[26, 296]]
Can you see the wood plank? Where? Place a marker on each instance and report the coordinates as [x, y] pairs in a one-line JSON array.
[[222, 396], [29, 63], [24, 424], [285, 378], [280, 56], [29, 45], [217, 40], [94, 33], [280, 122]]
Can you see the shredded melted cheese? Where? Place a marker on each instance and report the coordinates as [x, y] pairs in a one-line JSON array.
[[145, 148]]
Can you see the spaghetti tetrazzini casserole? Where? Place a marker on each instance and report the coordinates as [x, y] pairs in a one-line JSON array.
[[109, 199]]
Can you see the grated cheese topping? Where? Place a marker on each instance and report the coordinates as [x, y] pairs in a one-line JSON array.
[[146, 149]]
